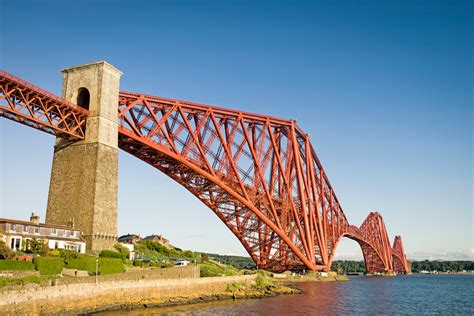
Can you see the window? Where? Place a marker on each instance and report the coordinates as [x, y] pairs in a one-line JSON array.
[[56, 245], [37, 230], [12, 226], [53, 231], [83, 98], [15, 243], [25, 228]]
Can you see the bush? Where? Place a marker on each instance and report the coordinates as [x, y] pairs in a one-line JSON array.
[[122, 250], [112, 254], [49, 265], [106, 265], [85, 263], [39, 246], [262, 281], [15, 265], [69, 254], [5, 251], [55, 253]]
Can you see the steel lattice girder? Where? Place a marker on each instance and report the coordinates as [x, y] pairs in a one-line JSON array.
[[25, 103], [373, 239], [400, 263], [259, 174]]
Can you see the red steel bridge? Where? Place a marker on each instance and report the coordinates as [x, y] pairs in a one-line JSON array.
[[259, 174]]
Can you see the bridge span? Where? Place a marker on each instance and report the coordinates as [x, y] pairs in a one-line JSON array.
[[259, 174]]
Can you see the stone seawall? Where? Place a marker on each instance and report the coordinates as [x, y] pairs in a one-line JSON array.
[[91, 297]]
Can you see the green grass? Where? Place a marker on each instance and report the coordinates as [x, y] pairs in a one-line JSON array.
[[210, 269], [25, 280], [16, 265]]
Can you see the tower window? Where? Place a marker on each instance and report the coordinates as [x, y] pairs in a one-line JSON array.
[[83, 98]]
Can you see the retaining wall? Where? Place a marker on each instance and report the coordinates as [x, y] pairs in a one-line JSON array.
[[88, 297]]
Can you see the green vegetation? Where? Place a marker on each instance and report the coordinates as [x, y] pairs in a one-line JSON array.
[[262, 281], [239, 262], [442, 266], [123, 250], [19, 281], [49, 265], [112, 254], [211, 269], [38, 246], [146, 249], [16, 265], [348, 266], [5, 251], [106, 265], [110, 266]]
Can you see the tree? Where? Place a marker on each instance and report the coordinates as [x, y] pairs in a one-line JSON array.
[[39, 246], [5, 251]]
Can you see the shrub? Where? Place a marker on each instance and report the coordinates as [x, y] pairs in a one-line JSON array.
[[236, 287], [5, 251], [49, 265], [55, 253], [85, 263], [262, 281], [39, 246], [15, 265], [69, 254], [122, 250], [112, 254]]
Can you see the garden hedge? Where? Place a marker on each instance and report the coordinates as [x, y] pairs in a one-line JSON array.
[[112, 254], [49, 265]]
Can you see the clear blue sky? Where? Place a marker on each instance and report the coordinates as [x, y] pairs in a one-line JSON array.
[[385, 88]]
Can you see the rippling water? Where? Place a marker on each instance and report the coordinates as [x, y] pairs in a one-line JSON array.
[[401, 295]]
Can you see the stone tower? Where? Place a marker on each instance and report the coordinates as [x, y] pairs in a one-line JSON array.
[[84, 176]]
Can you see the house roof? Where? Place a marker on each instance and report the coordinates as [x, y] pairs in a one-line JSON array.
[[16, 221], [129, 236]]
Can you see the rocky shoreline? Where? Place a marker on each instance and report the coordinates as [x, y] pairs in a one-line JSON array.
[[196, 299]]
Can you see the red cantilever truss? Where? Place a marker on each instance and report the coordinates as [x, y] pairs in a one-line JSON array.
[[400, 262], [259, 174], [27, 104]]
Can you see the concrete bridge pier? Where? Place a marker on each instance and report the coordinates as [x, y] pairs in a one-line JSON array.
[[84, 176]]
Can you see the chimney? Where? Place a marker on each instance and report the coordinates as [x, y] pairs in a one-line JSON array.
[[34, 218]]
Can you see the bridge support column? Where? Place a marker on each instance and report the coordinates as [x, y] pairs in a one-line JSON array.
[[84, 176]]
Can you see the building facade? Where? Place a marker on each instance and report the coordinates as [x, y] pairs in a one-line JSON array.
[[18, 235]]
